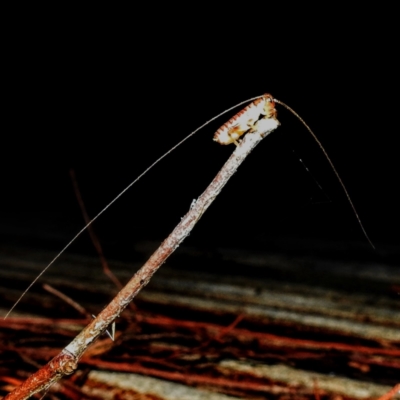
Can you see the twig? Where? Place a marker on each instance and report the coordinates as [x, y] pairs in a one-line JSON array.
[[67, 299], [92, 234], [66, 362], [389, 395], [95, 240]]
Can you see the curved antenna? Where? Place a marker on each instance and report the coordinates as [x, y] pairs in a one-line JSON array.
[[332, 166], [119, 195]]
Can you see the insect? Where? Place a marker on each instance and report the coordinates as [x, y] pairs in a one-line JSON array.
[[248, 120]]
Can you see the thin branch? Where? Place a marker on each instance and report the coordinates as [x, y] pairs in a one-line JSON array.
[[92, 234], [66, 362], [67, 299], [389, 395]]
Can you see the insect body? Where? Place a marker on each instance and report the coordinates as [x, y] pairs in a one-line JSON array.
[[246, 120]]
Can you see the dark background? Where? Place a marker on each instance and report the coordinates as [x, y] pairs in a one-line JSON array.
[[108, 95]]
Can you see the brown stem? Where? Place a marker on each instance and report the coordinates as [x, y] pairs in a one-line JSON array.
[[66, 362], [92, 234], [389, 395], [67, 300]]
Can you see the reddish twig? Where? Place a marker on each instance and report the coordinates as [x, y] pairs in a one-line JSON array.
[[96, 242], [271, 339], [67, 299], [92, 234], [221, 332], [389, 395], [189, 378], [316, 390], [66, 362]]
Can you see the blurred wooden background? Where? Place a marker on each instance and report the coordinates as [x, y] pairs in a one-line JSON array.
[[213, 323]]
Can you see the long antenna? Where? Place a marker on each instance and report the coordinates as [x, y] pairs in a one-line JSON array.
[[332, 166], [119, 195], [167, 153]]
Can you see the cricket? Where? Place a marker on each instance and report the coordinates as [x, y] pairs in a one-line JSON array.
[[245, 129], [248, 120]]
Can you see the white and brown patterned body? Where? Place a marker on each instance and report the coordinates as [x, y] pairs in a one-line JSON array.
[[246, 120]]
